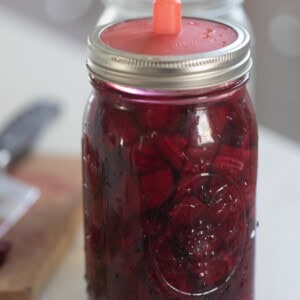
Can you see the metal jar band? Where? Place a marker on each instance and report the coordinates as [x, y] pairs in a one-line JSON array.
[[183, 72]]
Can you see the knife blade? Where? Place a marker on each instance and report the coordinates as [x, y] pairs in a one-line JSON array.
[[16, 141]]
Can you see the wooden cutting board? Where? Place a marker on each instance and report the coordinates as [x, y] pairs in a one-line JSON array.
[[40, 239]]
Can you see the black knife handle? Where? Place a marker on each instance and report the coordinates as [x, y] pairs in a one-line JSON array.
[[20, 134]]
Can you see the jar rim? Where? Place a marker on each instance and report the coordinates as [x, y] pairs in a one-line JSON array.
[[180, 97], [182, 72]]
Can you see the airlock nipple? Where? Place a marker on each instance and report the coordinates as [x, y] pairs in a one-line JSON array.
[[167, 17]]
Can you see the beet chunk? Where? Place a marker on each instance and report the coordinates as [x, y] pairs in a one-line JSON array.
[[209, 263], [191, 185], [200, 158], [187, 211], [119, 127], [218, 120], [231, 161], [210, 274], [91, 161], [156, 187], [172, 149], [205, 126], [170, 267], [144, 192], [146, 158], [240, 130], [199, 240], [225, 201], [129, 240], [131, 203], [250, 170], [157, 117]]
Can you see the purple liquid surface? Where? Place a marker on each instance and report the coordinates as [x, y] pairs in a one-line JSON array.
[[169, 197]]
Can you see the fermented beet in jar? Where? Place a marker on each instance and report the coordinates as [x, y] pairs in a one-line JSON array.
[[169, 163]]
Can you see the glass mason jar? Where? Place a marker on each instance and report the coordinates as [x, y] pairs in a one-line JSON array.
[[169, 163]]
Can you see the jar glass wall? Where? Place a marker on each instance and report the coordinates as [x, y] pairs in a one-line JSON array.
[[169, 192]]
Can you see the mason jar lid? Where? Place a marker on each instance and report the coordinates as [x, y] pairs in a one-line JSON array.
[[170, 72]]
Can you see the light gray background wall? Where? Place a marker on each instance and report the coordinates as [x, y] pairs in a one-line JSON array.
[[278, 62], [72, 17], [277, 27]]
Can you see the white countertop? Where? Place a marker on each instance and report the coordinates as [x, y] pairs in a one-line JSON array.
[[39, 62]]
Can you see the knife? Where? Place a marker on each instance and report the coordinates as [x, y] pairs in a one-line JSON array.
[[16, 141]]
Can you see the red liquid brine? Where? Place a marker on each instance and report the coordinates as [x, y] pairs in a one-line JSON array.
[[169, 166]]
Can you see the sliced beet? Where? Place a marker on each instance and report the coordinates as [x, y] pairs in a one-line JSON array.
[[249, 174], [128, 240], [231, 161], [176, 140], [131, 234], [225, 202], [240, 129], [125, 198], [146, 158], [249, 192], [91, 164], [131, 202], [201, 158], [158, 117], [233, 236], [209, 263], [151, 226], [119, 285], [169, 267], [191, 185], [210, 274], [187, 211], [218, 120], [156, 187], [144, 192], [172, 149], [94, 221], [205, 126], [198, 240], [116, 165], [119, 127]]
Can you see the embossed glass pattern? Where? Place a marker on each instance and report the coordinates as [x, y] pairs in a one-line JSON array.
[[169, 193]]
